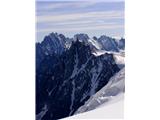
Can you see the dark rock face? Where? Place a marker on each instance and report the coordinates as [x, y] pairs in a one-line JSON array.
[[121, 44], [65, 81]]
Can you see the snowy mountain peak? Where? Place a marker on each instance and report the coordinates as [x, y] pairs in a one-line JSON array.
[[104, 37], [53, 43], [81, 37], [108, 43]]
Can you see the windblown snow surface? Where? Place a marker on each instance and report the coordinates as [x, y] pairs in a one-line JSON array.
[[109, 110], [109, 100]]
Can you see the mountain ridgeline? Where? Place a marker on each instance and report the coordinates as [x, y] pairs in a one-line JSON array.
[[68, 72]]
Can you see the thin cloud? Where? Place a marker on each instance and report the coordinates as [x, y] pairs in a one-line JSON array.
[[82, 28], [76, 16], [80, 0], [59, 5]]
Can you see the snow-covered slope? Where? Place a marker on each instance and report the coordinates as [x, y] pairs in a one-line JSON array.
[[119, 59], [108, 93], [95, 44], [118, 56], [99, 52], [109, 110]]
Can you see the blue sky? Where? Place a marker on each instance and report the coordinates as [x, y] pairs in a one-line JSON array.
[[94, 17]]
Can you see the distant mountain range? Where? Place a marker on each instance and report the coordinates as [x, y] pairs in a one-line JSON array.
[[71, 70]]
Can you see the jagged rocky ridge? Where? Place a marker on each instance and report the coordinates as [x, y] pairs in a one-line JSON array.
[[68, 74]]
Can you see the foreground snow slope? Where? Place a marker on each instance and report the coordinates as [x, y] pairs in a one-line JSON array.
[[109, 110], [108, 93], [109, 100]]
